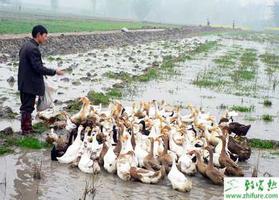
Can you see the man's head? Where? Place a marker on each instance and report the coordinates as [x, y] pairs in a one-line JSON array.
[[39, 33]]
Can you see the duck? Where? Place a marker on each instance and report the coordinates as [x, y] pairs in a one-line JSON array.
[[228, 116], [86, 163], [242, 150], [72, 152], [178, 149], [147, 176], [166, 157], [124, 163], [84, 111], [186, 164], [126, 159], [239, 129], [60, 144], [69, 124], [178, 180], [211, 172], [140, 152], [110, 159], [150, 162], [143, 129], [201, 166], [225, 161], [138, 112], [103, 153]]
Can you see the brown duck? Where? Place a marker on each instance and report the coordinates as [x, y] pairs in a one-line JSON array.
[[239, 129], [165, 158], [201, 166], [241, 148], [149, 161], [232, 169], [211, 172]]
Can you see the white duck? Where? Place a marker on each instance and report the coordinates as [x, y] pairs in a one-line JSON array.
[[178, 149], [126, 159], [147, 176], [72, 152], [86, 163], [178, 180], [186, 164], [140, 152], [69, 124], [110, 160]]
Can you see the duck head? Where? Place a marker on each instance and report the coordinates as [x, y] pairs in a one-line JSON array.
[[85, 100]]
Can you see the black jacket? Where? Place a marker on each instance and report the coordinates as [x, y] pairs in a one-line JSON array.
[[31, 69]]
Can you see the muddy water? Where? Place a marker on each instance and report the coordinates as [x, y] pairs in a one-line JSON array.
[[179, 90], [87, 73], [62, 182]]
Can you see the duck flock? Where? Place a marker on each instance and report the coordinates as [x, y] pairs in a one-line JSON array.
[[151, 141]]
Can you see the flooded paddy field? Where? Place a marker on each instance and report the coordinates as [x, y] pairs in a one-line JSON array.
[[235, 71], [63, 182], [225, 73]]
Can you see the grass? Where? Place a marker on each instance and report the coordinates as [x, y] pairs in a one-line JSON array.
[[150, 74], [5, 150], [166, 67], [262, 144], [98, 97], [248, 58], [234, 72], [40, 127], [124, 76], [250, 118], [205, 47], [73, 106], [267, 118], [243, 74], [239, 108], [271, 61], [31, 143], [9, 26], [104, 98], [207, 82], [9, 142], [52, 58], [114, 93], [224, 61], [267, 103]]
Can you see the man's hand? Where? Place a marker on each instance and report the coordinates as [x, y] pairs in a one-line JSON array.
[[59, 71]]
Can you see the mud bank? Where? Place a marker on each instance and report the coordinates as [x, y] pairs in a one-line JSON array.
[[81, 42]]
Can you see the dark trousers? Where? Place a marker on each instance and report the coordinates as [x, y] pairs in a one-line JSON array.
[[27, 102]]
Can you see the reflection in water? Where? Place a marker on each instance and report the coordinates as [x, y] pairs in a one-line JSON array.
[[63, 182]]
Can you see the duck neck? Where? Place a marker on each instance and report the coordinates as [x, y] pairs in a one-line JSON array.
[[152, 147], [166, 145], [198, 156], [114, 134], [78, 133], [133, 140], [223, 151], [210, 158]]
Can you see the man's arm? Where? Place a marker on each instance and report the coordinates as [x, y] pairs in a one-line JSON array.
[[37, 64]]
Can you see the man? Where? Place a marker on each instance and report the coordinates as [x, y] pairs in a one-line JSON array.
[[30, 76]]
